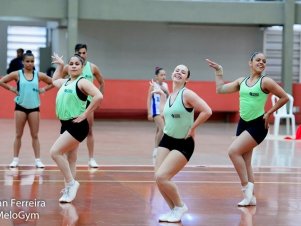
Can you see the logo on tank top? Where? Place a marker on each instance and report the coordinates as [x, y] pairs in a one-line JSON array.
[[176, 115], [254, 94], [68, 91], [35, 90]]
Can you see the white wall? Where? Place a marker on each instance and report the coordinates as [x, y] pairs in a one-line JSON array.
[[131, 50]]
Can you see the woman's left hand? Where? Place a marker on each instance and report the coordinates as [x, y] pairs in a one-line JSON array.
[[191, 133], [80, 118], [266, 117]]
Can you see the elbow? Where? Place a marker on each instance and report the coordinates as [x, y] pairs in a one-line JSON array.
[[209, 113], [285, 99], [218, 90]]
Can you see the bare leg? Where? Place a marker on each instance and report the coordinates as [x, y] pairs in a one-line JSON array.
[[248, 160], [159, 121], [20, 121], [243, 144], [161, 155], [64, 144], [171, 165], [90, 137], [33, 122], [72, 157]]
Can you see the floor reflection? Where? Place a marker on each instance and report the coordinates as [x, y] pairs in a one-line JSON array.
[[246, 216], [70, 216]]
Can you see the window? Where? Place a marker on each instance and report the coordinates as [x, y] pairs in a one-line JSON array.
[[272, 45], [27, 38]]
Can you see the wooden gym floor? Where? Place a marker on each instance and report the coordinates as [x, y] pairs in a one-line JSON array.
[[122, 191]]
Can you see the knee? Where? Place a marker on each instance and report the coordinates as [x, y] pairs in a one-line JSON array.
[[19, 136], [72, 158], [160, 178], [35, 136], [232, 153], [54, 154]]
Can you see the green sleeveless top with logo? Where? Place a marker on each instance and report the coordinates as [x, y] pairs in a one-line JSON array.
[[252, 100], [178, 118], [68, 104], [29, 96], [88, 74]]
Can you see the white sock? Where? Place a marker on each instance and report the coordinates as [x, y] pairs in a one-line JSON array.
[[16, 159], [71, 183]]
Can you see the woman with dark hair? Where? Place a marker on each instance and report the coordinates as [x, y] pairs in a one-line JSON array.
[[155, 104], [253, 124], [27, 102], [71, 101], [177, 144], [91, 72]]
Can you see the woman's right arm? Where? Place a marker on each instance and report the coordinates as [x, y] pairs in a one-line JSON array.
[[13, 76], [221, 86], [57, 77]]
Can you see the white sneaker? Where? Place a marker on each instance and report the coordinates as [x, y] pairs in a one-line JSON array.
[[177, 214], [39, 164], [14, 163], [245, 203], [93, 164], [69, 192], [248, 195], [164, 217]]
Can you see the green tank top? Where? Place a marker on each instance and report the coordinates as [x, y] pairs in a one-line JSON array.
[[88, 74], [252, 100], [68, 104], [178, 119]]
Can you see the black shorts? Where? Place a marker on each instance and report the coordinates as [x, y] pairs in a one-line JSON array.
[[79, 130], [254, 127], [25, 110], [185, 146]]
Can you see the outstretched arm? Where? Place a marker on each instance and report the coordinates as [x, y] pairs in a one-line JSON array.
[[57, 78], [221, 86]]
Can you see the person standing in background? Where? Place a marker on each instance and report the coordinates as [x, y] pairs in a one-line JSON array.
[[155, 104], [90, 72], [16, 63], [27, 102]]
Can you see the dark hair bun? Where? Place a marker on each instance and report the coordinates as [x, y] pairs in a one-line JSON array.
[[28, 52]]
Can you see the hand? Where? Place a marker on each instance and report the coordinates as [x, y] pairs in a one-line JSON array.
[[191, 133], [42, 90], [266, 117], [80, 118], [214, 65], [14, 90], [156, 88], [150, 117], [56, 59]]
